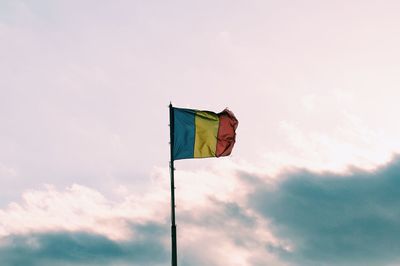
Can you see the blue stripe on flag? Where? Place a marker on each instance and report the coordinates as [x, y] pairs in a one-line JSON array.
[[184, 133]]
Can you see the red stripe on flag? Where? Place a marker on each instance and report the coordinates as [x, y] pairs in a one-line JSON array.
[[226, 133]]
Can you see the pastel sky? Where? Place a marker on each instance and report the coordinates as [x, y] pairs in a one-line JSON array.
[[314, 178]]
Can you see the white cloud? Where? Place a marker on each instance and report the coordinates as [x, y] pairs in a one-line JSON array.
[[77, 208], [211, 206], [7, 172], [353, 144], [334, 136], [309, 101]]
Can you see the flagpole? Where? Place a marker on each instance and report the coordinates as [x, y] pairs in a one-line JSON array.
[[174, 261]]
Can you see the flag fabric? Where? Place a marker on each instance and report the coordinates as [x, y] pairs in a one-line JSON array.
[[202, 134]]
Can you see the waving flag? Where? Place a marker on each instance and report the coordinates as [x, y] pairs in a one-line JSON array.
[[202, 134]]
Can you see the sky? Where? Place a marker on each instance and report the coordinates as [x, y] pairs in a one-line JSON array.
[[84, 91]]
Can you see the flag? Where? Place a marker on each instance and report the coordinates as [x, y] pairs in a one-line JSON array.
[[202, 134]]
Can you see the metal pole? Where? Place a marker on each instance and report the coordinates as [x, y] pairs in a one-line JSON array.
[[174, 261]]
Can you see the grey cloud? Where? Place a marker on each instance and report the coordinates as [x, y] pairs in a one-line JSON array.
[[227, 219], [222, 213], [332, 219], [78, 249], [149, 246]]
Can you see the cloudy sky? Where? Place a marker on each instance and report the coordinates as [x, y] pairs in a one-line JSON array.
[[314, 178]]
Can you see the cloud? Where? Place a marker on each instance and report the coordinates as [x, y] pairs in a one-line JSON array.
[[224, 233], [224, 217], [335, 219], [79, 208], [82, 248], [215, 228], [80, 226]]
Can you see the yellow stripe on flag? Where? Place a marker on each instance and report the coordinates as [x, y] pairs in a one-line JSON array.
[[206, 127]]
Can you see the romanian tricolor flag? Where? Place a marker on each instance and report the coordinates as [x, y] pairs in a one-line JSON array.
[[202, 134]]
